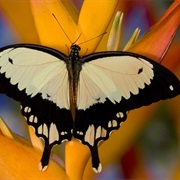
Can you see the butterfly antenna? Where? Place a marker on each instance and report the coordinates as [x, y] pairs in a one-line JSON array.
[[67, 48], [62, 28], [77, 39], [93, 38], [86, 52]]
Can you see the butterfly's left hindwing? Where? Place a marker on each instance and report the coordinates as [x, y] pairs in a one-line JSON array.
[[52, 124], [37, 77], [111, 84]]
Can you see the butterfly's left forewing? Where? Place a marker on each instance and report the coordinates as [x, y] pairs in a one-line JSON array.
[[111, 84], [37, 77]]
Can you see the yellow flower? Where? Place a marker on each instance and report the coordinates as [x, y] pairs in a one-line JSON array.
[[18, 159], [45, 20]]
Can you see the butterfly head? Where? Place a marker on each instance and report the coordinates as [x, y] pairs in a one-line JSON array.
[[75, 48], [74, 54]]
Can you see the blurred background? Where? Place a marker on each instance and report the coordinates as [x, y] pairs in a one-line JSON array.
[[154, 153]]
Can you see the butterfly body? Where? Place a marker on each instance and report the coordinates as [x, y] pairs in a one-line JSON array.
[[74, 68], [86, 97]]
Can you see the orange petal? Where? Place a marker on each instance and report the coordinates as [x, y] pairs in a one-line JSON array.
[[76, 158], [171, 60], [157, 40], [49, 29], [5, 131], [94, 18], [175, 4], [71, 9], [23, 162], [36, 142], [20, 16]]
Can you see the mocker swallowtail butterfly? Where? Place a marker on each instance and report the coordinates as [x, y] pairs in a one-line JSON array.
[[85, 97]]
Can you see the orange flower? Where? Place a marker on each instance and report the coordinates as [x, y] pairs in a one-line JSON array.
[[18, 159], [93, 20]]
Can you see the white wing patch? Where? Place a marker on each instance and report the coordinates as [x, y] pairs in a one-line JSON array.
[[36, 72], [51, 133], [113, 78]]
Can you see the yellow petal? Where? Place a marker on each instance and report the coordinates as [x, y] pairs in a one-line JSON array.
[[20, 16], [71, 9], [157, 40], [5, 130], [36, 142], [19, 161], [132, 39], [50, 28], [76, 157], [115, 33], [94, 18]]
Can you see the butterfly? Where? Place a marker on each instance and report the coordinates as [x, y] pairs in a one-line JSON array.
[[85, 97]]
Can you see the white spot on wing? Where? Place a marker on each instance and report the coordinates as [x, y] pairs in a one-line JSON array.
[[171, 87], [109, 124], [114, 123], [27, 109], [103, 132], [31, 118], [98, 132], [35, 119], [45, 130], [99, 169], [80, 132], [63, 133], [120, 115], [89, 135], [53, 133], [41, 168], [40, 129]]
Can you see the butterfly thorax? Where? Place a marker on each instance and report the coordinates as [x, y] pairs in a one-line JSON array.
[[74, 68]]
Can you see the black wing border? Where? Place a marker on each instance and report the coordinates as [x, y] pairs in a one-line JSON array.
[[46, 49]]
